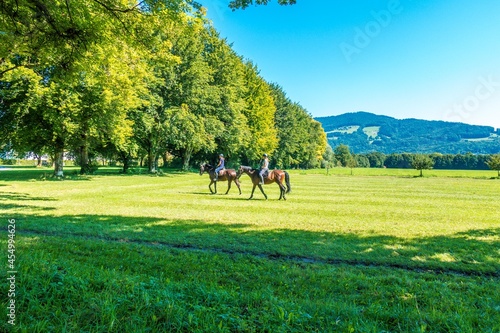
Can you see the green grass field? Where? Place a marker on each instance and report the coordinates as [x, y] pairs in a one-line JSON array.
[[378, 251]]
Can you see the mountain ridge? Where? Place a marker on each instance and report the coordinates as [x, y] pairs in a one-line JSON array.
[[366, 132]]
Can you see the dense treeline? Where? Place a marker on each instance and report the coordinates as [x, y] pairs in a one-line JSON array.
[[342, 156], [146, 82]]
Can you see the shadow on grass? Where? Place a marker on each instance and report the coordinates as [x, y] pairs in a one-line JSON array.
[[73, 173], [474, 252], [7, 198]]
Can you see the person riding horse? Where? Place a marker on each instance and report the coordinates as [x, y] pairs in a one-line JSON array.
[[220, 166], [264, 167]]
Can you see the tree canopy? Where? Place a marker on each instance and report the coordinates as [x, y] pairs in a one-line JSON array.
[[139, 80]]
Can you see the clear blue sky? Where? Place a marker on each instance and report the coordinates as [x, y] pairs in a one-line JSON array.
[[426, 59]]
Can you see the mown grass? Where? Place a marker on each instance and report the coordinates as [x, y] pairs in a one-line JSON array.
[[364, 253]]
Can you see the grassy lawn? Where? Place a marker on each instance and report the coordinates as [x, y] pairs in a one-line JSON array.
[[378, 251]]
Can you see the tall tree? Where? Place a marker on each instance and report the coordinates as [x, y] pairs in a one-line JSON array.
[[21, 123], [228, 92], [302, 140], [343, 155], [55, 38], [189, 133], [260, 111]]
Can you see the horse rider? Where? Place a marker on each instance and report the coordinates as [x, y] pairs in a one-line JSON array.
[[264, 167], [220, 166]]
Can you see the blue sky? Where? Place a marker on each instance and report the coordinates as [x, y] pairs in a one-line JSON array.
[[435, 60]]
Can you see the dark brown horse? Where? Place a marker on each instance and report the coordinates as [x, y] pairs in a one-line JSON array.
[[273, 176], [225, 174]]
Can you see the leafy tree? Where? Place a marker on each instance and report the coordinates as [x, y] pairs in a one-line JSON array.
[[343, 155], [88, 55], [302, 140], [328, 160], [259, 112], [316, 143], [421, 162], [402, 161], [188, 133], [228, 90], [108, 87], [362, 161], [38, 33], [376, 159], [21, 125], [351, 163], [494, 163]]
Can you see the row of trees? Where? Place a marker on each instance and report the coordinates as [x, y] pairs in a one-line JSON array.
[[342, 156], [107, 78]]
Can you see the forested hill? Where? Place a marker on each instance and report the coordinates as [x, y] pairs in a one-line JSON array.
[[365, 132]]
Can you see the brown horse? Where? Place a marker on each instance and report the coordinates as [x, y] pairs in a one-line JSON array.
[[273, 176], [225, 174]]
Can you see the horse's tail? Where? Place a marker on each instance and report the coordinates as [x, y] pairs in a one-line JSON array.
[[287, 181]]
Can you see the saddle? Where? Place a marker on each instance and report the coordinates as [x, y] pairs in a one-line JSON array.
[[220, 173]]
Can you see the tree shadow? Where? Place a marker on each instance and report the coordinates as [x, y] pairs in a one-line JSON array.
[[473, 252], [8, 201], [73, 174]]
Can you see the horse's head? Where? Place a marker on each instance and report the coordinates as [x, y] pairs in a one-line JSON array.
[[242, 170], [205, 167]]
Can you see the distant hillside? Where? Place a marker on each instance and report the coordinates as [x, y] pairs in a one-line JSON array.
[[365, 132]]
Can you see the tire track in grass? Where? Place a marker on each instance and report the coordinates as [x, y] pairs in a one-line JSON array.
[[269, 256]]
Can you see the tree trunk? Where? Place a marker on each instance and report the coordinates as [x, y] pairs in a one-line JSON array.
[[38, 161], [157, 157], [126, 161], [185, 159], [59, 162], [151, 161], [165, 160], [84, 160]]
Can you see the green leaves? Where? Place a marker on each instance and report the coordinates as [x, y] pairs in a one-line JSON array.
[[494, 163], [422, 162], [147, 78]]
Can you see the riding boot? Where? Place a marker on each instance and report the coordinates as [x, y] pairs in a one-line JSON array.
[[216, 176], [261, 180]]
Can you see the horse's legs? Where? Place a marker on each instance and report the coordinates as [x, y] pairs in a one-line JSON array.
[[262, 190], [283, 190], [228, 185], [253, 189], [237, 182], [215, 185], [282, 187], [210, 186]]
